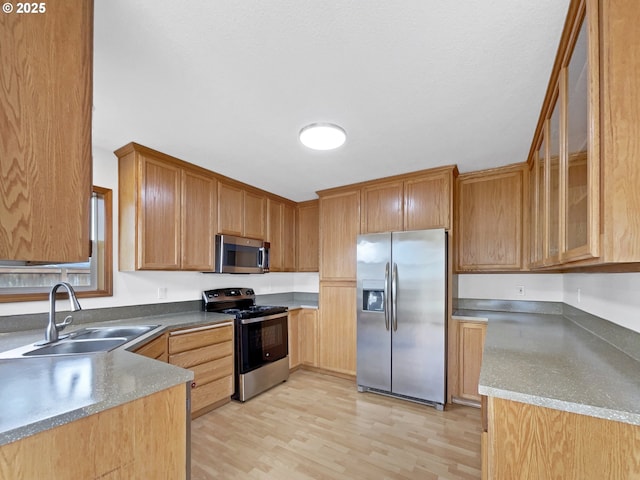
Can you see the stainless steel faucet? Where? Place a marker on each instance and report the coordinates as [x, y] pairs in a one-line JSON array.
[[51, 333]]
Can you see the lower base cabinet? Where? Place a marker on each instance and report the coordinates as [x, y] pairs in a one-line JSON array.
[[303, 337], [527, 441], [144, 438], [469, 344], [208, 352]]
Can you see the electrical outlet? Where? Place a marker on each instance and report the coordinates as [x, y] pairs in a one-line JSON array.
[[162, 293], [578, 295], [520, 290]]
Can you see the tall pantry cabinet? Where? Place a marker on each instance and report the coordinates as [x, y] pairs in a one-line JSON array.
[[45, 144]]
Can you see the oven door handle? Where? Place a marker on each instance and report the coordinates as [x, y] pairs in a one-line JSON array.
[[248, 321]]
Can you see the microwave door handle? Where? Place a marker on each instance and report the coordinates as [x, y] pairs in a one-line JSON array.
[[262, 257]]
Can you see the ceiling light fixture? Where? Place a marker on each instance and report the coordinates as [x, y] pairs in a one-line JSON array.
[[322, 136]]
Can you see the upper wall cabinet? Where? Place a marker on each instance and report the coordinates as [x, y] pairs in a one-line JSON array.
[[416, 201], [166, 212], [241, 212], [489, 220], [586, 148], [45, 133], [339, 229], [281, 235], [307, 236]]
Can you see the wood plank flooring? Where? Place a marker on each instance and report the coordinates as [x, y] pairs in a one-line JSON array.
[[316, 426]]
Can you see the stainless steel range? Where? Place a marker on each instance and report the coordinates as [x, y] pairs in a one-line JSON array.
[[261, 341]]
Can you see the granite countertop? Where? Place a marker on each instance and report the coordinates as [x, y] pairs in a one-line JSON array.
[[549, 361], [40, 393]]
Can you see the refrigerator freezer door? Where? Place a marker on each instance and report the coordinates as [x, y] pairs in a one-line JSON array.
[[373, 369], [418, 344]]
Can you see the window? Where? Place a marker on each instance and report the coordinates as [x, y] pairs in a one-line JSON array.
[[21, 282]]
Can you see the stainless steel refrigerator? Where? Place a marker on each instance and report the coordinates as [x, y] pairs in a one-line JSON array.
[[402, 312]]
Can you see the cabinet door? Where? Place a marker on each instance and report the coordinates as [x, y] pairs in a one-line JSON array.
[[288, 238], [427, 202], [307, 237], [294, 338], [159, 216], [198, 221], [581, 214], [382, 208], [45, 146], [538, 210], [470, 345], [339, 228], [274, 235], [255, 216], [230, 209], [308, 335], [553, 186], [337, 327], [489, 223]]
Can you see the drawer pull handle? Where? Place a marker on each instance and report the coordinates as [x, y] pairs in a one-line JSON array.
[[193, 384]]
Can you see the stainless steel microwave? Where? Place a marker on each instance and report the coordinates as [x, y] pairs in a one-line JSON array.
[[241, 255]]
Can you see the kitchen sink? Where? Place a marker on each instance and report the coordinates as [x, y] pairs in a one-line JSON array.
[[128, 332], [85, 340], [74, 347]]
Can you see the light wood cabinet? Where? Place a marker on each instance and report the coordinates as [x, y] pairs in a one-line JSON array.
[[337, 327], [254, 215], [382, 207], [308, 335], [415, 201], [208, 352], [307, 236], [145, 438], [230, 209], [489, 223], [339, 228], [241, 212], [588, 209], [160, 198], [303, 337], [155, 349], [527, 441], [281, 235], [198, 214], [294, 338], [428, 200], [46, 97], [470, 346]]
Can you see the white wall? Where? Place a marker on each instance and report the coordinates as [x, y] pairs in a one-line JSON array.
[[137, 288], [537, 287], [612, 296]]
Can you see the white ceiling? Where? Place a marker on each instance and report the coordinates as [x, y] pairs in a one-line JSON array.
[[227, 84]]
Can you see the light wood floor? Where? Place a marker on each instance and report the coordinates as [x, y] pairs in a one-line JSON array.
[[316, 426]]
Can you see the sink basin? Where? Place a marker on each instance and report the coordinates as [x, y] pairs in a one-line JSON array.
[[77, 346], [85, 340], [128, 332]]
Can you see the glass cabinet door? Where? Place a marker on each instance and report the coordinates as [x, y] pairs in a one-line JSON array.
[[538, 205], [553, 167], [581, 185]]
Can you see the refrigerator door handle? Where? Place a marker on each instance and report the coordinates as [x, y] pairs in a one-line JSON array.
[[386, 296], [394, 297]]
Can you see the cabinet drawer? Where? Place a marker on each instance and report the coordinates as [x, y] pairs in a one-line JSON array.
[[182, 340], [205, 395], [210, 371], [191, 358]]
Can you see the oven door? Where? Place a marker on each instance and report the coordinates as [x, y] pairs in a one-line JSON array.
[[261, 340]]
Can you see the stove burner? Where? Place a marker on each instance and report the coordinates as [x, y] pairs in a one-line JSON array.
[[237, 301]]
